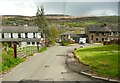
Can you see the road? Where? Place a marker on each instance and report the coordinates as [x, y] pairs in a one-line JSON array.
[[48, 65]]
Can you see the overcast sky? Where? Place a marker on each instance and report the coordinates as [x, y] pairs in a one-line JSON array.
[[69, 7]]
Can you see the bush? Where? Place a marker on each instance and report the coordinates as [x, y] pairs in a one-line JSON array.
[[52, 41], [43, 49], [65, 42], [10, 51]]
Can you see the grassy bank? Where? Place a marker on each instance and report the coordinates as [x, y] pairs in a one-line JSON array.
[[102, 60], [8, 61]]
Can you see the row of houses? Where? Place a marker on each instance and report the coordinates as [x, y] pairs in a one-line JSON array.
[[94, 34], [23, 35], [30, 36]]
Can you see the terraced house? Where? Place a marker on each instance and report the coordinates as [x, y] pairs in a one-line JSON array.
[[23, 35], [97, 33]]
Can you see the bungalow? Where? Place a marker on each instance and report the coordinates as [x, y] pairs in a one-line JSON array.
[[23, 35], [97, 33]]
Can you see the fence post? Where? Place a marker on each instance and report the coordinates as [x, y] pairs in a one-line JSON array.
[[15, 50]]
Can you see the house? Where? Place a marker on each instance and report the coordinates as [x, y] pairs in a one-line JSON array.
[[77, 38], [23, 35], [99, 34]]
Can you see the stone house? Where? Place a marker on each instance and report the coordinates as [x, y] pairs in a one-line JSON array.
[[99, 34]]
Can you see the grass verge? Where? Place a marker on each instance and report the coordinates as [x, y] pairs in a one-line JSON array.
[[8, 62], [102, 60]]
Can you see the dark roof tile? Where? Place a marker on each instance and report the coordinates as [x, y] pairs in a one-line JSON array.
[[18, 29]]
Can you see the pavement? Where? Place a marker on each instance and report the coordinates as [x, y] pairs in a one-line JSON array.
[[49, 65]]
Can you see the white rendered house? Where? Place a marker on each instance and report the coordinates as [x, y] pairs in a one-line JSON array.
[[23, 35]]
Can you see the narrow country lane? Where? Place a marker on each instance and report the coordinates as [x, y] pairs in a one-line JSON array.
[[49, 65]]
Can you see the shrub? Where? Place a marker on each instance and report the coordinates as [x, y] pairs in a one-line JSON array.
[[52, 41], [65, 42], [43, 49]]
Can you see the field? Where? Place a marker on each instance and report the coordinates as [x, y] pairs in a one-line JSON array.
[[102, 60]]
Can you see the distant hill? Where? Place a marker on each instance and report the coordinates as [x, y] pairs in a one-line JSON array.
[[59, 19]]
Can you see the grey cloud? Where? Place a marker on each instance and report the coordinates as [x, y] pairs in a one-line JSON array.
[[79, 8]]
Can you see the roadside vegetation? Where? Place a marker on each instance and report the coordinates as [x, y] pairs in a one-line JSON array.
[[65, 42], [102, 60], [7, 61]]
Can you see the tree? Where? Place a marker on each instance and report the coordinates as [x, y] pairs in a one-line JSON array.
[[41, 22], [54, 33]]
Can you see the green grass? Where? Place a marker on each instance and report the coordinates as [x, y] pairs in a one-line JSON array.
[[8, 61], [103, 60], [43, 49]]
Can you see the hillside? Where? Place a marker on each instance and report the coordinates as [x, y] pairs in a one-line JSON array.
[[71, 21]]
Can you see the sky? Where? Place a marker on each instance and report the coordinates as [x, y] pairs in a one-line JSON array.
[[68, 7]]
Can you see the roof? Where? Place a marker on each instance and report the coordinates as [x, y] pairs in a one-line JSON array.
[[67, 33], [18, 29], [79, 35], [103, 29], [20, 39], [72, 34]]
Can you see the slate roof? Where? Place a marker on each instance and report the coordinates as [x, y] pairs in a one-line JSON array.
[[68, 32], [79, 35], [18, 29], [104, 29], [20, 39], [72, 34]]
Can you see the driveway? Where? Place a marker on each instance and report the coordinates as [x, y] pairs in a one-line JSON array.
[[48, 65]]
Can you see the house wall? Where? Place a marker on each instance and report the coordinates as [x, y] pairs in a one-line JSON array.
[[6, 35], [15, 35], [38, 35], [23, 35], [100, 36], [29, 35], [0, 35]]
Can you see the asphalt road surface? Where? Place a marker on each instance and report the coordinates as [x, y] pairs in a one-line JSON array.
[[46, 66]]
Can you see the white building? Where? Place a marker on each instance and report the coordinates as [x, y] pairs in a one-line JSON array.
[[23, 35]]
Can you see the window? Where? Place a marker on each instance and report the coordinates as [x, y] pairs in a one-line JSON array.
[[33, 43], [103, 39], [28, 43], [111, 33], [97, 34], [19, 36], [37, 43], [11, 35], [33, 35], [26, 36], [96, 39], [104, 34], [111, 38], [117, 33], [3, 35], [91, 37]]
